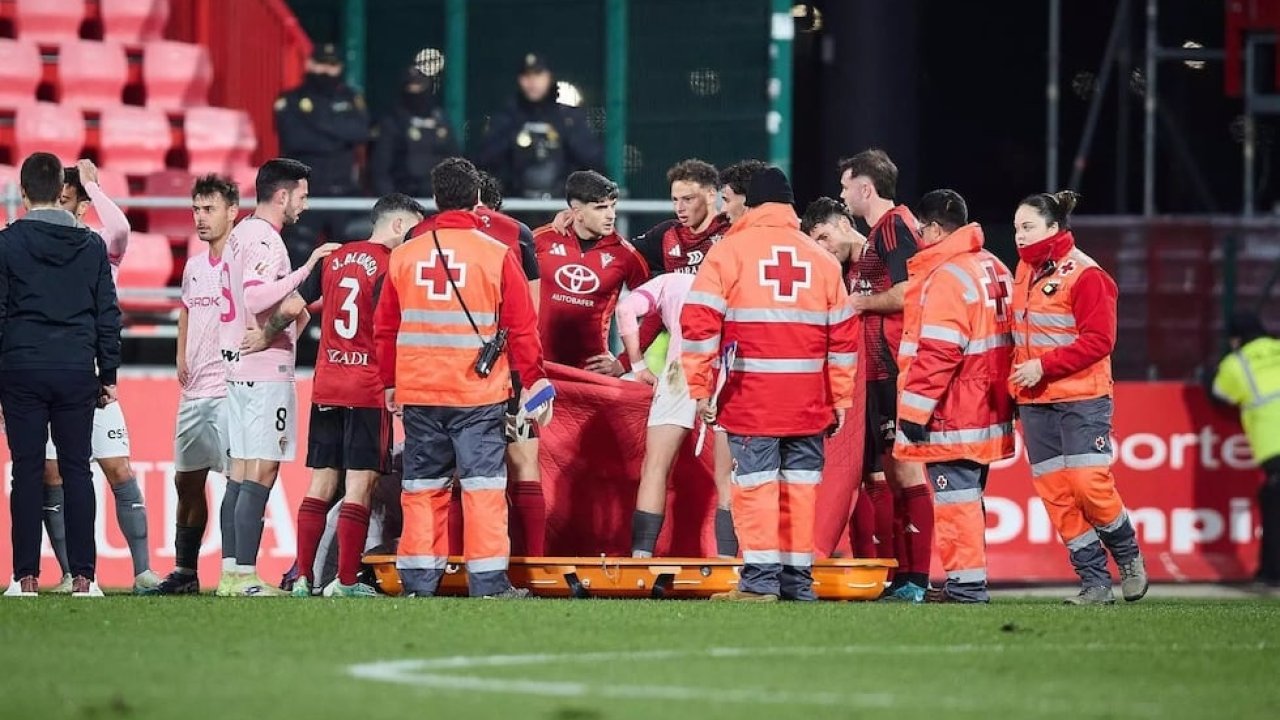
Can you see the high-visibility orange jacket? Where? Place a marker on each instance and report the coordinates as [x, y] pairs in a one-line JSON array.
[[427, 349], [782, 298], [1064, 313], [957, 352]]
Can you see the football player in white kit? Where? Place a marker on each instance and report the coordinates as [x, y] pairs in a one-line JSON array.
[[110, 435], [202, 437]]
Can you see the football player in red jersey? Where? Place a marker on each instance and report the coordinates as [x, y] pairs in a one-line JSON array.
[[733, 187], [584, 269], [868, 184], [350, 433], [503, 227], [680, 245], [832, 226]]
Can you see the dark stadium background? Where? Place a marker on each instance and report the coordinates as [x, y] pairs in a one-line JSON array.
[[967, 82]]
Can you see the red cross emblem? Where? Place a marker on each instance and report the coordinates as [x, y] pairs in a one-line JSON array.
[[785, 273], [997, 289], [431, 274]]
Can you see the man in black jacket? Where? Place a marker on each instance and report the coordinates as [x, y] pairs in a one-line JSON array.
[[410, 140], [535, 143], [59, 352]]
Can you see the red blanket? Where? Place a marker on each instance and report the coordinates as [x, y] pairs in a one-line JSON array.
[[591, 456]]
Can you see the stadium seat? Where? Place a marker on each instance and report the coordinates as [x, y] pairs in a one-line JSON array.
[[20, 71], [176, 75], [173, 222], [147, 265], [91, 74], [246, 178], [115, 185], [48, 127], [48, 20], [134, 21], [9, 177], [134, 140], [218, 139]]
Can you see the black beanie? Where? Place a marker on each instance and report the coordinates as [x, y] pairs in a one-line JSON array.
[[769, 186]]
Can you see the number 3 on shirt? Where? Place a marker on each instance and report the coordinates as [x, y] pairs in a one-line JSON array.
[[348, 319]]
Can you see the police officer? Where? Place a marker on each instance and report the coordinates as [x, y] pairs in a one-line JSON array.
[[411, 139], [535, 143], [1250, 378], [321, 123]]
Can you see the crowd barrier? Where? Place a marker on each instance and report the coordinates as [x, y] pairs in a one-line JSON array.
[[1183, 467]]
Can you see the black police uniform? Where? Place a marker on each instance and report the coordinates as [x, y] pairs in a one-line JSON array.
[[532, 147], [321, 123], [408, 142]]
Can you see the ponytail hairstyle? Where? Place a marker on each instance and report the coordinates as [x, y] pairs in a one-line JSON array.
[[1054, 207]]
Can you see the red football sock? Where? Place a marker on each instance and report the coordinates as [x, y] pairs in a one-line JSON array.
[[919, 517], [882, 504], [455, 521], [353, 529], [901, 550], [862, 526], [310, 529], [528, 521]]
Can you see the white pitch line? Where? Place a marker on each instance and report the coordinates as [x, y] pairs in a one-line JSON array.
[[440, 673]]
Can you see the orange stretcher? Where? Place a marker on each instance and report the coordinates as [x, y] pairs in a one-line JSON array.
[[615, 577]]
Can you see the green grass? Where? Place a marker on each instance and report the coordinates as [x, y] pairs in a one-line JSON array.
[[124, 657]]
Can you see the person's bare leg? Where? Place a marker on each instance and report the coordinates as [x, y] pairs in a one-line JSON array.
[[726, 538], [662, 442]]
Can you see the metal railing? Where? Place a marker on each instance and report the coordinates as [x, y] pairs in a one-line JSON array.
[[11, 199]]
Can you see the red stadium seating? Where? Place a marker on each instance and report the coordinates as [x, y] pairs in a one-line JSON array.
[[246, 178], [47, 127], [175, 223], [20, 71], [91, 74], [147, 265], [218, 139], [134, 140], [49, 20], [8, 177], [176, 75], [134, 21], [115, 185]]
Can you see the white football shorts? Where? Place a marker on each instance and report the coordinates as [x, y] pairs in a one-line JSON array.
[[263, 417], [110, 435], [202, 438]]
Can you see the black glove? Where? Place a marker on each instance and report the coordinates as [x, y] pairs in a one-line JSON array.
[[914, 432]]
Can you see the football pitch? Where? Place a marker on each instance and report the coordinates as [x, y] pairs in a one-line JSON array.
[[205, 657]]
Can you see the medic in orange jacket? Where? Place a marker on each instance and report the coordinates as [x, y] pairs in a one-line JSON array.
[[772, 290], [953, 412], [1064, 308], [454, 418]]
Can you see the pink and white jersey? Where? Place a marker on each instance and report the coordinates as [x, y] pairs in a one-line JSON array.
[[202, 295], [665, 295], [255, 278], [115, 226]]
